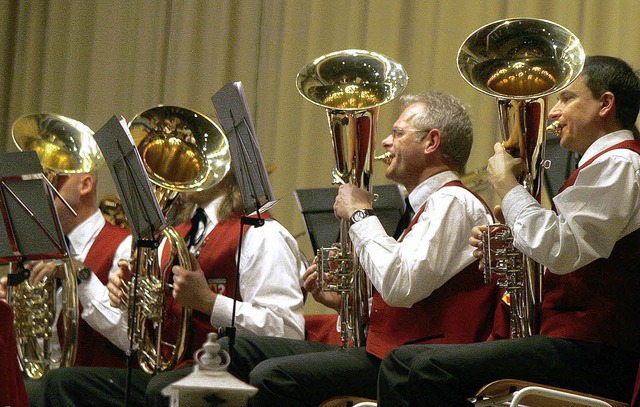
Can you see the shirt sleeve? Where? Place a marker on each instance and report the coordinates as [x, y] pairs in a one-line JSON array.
[[590, 218], [434, 250], [270, 268], [97, 311]]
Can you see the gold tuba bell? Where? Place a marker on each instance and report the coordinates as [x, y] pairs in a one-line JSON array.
[[64, 146], [351, 85], [520, 62], [182, 151]]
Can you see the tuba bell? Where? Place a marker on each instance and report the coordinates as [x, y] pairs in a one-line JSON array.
[[64, 147], [351, 85], [520, 62], [182, 151]]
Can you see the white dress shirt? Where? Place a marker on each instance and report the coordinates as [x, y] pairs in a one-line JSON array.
[[434, 250], [598, 210], [270, 270], [92, 294]]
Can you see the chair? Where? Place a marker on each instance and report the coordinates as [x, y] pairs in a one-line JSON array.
[[509, 392]]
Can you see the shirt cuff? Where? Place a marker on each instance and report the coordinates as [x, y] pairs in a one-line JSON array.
[[90, 289], [514, 202], [221, 312]]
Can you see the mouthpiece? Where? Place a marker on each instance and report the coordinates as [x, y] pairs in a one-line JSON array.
[[386, 157], [554, 128]]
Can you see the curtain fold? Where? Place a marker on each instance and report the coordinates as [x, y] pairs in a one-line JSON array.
[[90, 60]]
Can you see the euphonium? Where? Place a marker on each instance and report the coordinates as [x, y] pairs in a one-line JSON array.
[[351, 85], [181, 151], [520, 62], [64, 146]]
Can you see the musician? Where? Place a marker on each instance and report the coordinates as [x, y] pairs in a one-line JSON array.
[[96, 246], [427, 285], [270, 298], [589, 337]]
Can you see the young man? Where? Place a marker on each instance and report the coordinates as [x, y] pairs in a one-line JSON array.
[[427, 285], [590, 324], [269, 300]]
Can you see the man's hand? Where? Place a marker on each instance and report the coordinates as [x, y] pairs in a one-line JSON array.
[[3, 288], [191, 289], [350, 198], [116, 284], [326, 298], [503, 170], [41, 270], [476, 236]]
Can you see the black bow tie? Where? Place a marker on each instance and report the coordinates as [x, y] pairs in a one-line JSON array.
[[198, 225], [405, 219]]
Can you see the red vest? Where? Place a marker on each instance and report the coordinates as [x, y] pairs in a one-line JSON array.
[[93, 348], [598, 302], [218, 261], [12, 390], [461, 311]]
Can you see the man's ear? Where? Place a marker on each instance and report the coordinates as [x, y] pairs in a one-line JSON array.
[[87, 184], [607, 101], [432, 140]]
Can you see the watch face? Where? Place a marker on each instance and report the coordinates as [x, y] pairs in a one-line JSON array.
[[84, 274]]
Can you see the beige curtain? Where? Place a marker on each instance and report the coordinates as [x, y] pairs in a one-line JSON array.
[[92, 59]]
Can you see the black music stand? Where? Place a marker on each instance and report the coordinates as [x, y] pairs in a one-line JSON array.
[[138, 201], [251, 174], [323, 228], [29, 226]]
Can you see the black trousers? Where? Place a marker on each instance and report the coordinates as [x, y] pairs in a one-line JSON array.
[[92, 386], [291, 372], [445, 375]]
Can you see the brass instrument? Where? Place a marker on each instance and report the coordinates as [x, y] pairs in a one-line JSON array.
[[64, 146], [182, 151], [520, 62], [351, 85]]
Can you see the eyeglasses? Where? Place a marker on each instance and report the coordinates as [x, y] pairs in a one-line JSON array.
[[397, 132]]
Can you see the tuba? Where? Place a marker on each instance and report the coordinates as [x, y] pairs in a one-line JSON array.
[[520, 62], [182, 151], [64, 146], [351, 85]]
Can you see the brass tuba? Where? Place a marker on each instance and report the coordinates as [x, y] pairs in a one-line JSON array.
[[182, 151], [351, 85], [64, 146], [520, 62]]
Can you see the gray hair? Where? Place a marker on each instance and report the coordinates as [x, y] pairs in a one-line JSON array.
[[446, 113]]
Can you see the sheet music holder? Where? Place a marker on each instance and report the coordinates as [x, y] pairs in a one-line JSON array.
[[138, 201], [251, 174], [132, 182], [29, 226], [323, 228]]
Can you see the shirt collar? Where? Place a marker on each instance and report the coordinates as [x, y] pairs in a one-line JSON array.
[[211, 209], [605, 142], [84, 234], [422, 192]]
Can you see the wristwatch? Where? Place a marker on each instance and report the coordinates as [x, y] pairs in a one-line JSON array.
[[83, 274], [360, 214]]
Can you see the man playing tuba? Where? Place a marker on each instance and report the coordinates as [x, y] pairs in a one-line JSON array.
[[97, 246], [270, 298], [589, 337], [427, 285]]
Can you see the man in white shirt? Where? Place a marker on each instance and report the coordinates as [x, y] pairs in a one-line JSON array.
[[269, 301], [589, 337], [96, 247], [427, 287]]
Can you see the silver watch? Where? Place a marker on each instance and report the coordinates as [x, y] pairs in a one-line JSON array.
[[360, 214]]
